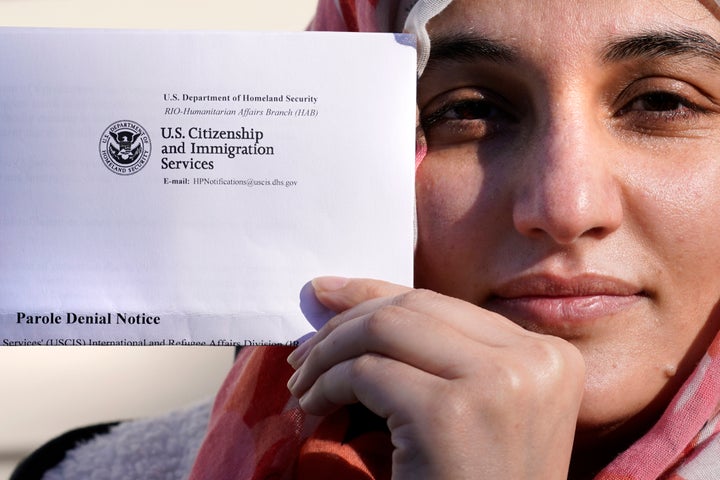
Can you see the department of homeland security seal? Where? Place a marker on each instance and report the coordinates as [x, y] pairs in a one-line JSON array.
[[125, 147]]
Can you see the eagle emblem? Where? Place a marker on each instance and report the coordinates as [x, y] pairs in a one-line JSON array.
[[125, 147]]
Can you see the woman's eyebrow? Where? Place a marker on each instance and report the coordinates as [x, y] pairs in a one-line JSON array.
[[469, 48], [654, 45]]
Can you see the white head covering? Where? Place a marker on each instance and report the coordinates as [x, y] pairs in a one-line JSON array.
[[415, 23]]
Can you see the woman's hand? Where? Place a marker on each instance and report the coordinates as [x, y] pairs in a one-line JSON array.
[[466, 393]]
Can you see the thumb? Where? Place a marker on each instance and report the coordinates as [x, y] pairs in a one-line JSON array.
[[340, 294]]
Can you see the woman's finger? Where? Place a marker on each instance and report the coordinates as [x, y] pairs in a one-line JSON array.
[[340, 294], [392, 331], [383, 385]]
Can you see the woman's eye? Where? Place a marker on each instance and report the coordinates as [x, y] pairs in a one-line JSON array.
[[679, 110], [660, 102], [464, 120], [471, 109], [466, 110], [661, 113]]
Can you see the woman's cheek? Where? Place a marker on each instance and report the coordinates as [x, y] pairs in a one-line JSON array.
[[452, 225]]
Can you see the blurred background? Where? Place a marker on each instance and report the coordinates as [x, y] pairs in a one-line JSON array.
[[193, 14], [49, 390]]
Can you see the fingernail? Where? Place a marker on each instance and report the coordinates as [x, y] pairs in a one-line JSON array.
[[303, 400], [295, 358], [328, 284], [293, 380]]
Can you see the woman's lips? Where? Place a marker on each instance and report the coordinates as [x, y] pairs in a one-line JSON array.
[[550, 302]]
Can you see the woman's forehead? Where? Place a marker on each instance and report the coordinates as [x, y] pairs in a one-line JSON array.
[[569, 23]]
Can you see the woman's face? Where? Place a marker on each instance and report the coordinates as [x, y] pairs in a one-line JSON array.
[[572, 183]]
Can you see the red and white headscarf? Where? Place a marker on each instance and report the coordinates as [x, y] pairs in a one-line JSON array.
[[257, 430]]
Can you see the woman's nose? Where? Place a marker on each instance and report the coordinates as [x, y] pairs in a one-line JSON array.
[[568, 184]]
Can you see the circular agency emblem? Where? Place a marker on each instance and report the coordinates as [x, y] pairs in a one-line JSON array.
[[125, 147]]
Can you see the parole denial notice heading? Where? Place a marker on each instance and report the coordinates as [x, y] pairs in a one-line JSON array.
[[178, 188]]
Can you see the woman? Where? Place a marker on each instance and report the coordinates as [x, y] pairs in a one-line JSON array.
[[567, 250]]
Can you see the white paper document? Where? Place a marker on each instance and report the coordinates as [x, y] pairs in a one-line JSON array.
[[175, 188]]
